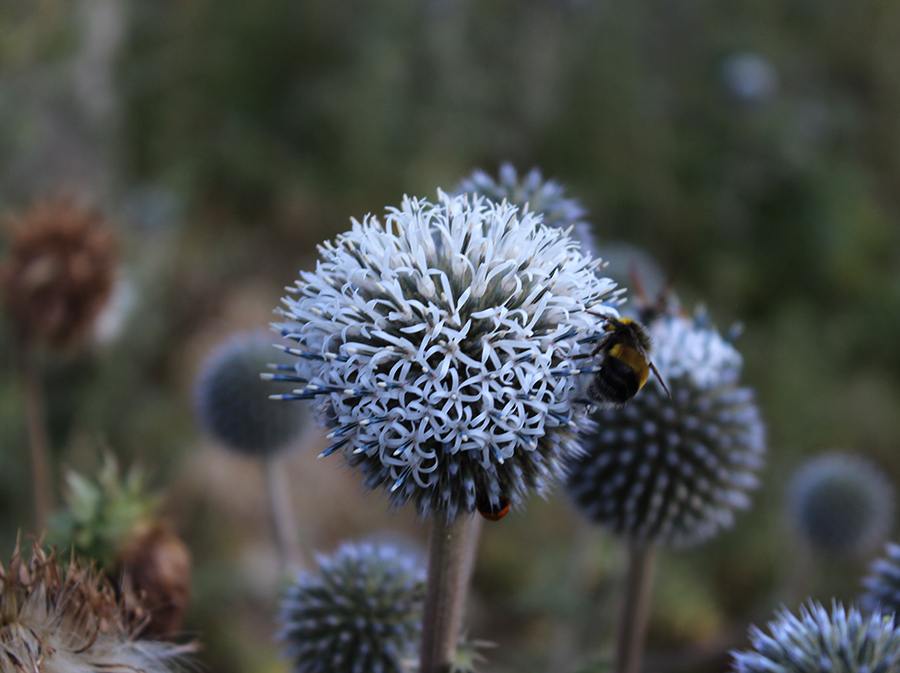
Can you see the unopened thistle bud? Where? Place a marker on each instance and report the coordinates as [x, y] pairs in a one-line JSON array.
[[543, 197], [844, 641], [841, 504], [360, 613], [232, 398], [672, 471], [439, 343], [883, 583]]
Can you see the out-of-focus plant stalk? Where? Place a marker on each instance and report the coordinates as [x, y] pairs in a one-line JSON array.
[[281, 512], [38, 442], [635, 607]]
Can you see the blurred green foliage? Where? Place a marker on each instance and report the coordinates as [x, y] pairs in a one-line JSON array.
[[240, 133]]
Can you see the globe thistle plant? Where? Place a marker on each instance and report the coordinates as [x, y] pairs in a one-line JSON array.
[[843, 642], [841, 504], [59, 619], [232, 399], [544, 197], [360, 613], [882, 584], [673, 471], [438, 345]]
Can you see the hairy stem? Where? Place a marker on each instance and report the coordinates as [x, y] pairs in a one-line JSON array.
[[281, 512], [450, 561], [635, 607], [38, 442]]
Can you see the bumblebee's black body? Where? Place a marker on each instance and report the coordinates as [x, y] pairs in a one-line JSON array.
[[625, 364]]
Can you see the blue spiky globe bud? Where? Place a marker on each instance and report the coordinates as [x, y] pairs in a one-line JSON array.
[[231, 398], [843, 642], [841, 504], [544, 197], [438, 344], [882, 584], [672, 472], [360, 613]]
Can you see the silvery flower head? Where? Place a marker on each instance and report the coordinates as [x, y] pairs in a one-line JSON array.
[[232, 399], [673, 471], [437, 343], [843, 642], [883, 582], [841, 504], [360, 613], [545, 197]]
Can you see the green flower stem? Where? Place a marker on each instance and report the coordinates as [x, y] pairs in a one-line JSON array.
[[450, 561], [282, 514], [38, 442], [635, 607]]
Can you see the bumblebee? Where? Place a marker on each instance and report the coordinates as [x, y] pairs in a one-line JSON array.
[[625, 365], [490, 511]]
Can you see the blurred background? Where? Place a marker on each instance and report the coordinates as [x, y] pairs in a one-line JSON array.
[[751, 148]]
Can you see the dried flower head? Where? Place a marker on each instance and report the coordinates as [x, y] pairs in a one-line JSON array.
[[543, 197], [841, 504], [361, 613], [114, 522], [883, 583], [843, 642], [672, 471], [58, 273], [438, 344], [232, 399], [68, 620]]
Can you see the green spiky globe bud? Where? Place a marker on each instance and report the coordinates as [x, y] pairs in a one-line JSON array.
[[543, 197], [232, 397], [360, 613], [843, 642], [672, 472], [841, 504], [883, 582]]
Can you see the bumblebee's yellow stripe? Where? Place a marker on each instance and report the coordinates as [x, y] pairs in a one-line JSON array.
[[634, 360]]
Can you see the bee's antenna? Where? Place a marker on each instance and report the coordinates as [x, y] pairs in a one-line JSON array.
[[660, 379]]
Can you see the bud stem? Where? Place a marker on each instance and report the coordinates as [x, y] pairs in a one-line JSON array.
[[38, 443], [635, 607], [450, 560], [282, 514]]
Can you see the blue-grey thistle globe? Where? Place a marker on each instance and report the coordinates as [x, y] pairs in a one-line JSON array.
[[882, 584], [360, 613], [841, 504], [232, 402], [843, 642], [543, 197], [672, 472], [439, 342]]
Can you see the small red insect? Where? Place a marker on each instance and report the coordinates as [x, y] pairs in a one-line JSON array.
[[490, 511]]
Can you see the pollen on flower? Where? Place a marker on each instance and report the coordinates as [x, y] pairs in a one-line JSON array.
[[432, 343]]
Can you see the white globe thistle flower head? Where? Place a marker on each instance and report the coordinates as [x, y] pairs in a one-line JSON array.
[[437, 344]]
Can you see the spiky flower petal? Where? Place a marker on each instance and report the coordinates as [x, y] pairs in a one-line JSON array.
[[360, 613], [842, 642], [232, 399], [883, 582], [439, 343], [59, 271], [672, 472], [543, 197], [68, 620], [841, 504]]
